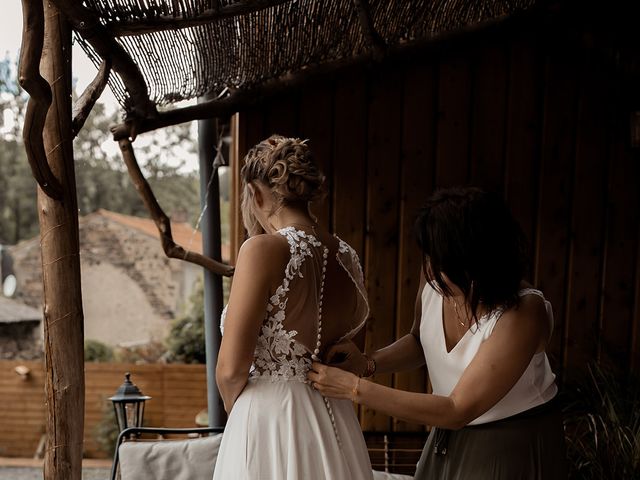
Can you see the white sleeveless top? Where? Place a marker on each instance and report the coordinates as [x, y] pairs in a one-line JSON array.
[[535, 387]]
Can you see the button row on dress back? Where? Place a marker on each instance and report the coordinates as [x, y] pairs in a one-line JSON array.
[[316, 352]]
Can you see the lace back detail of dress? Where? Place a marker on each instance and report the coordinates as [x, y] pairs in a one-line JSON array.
[[278, 356]]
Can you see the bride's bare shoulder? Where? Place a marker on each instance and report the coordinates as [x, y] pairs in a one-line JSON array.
[[264, 250]]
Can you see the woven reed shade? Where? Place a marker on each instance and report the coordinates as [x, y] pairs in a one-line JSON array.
[[189, 48]]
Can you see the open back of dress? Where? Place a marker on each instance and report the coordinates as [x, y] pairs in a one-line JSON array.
[[320, 301]]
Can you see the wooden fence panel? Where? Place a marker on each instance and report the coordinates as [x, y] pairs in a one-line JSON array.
[[178, 393], [22, 421]]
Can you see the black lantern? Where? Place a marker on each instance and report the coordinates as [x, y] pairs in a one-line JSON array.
[[128, 403]]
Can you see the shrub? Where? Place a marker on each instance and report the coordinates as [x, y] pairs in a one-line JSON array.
[[95, 351], [602, 427], [152, 352], [105, 432]]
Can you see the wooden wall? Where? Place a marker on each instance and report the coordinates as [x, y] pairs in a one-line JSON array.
[[178, 393], [542, 118]]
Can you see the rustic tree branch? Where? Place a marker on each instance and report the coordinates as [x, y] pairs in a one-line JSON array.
[[40, 101], [86, 23], [376, 44], [165, 22], [88, 99], [162, 221]]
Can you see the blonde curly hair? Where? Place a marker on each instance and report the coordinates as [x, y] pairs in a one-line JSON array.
[[286, 167]]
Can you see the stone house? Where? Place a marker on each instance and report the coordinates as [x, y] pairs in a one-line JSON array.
[[131, 290], [20, 330]]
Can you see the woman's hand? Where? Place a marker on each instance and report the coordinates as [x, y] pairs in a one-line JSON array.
[[347, 356], [333, 382]]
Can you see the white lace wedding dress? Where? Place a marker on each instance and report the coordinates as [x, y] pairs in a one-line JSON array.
[[280, 428]]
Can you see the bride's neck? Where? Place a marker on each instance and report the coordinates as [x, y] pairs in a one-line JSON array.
[[288, 216]]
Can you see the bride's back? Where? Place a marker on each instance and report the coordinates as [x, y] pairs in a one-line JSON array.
[[326, 301], [319, 301]]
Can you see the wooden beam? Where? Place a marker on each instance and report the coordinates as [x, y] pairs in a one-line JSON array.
[[63, 316], [374, 40], [40, 97], [159, 23], [88, 99], [88, 25], [162, 221]]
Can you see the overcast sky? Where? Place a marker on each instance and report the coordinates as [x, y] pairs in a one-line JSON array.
[[83, 70], [11, 37]]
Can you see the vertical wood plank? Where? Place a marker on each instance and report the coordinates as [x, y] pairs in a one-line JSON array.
[[348, 202], [247, 130], [623, 218], [417, 183], [587, 220], [555, 187], [316, 124], [635, 329], [281, 115], [255, 129], [383, 151], [452, 153], [524, 119], [349, 160], [489, 107]]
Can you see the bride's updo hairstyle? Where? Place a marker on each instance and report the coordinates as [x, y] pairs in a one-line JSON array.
[[286, 167]]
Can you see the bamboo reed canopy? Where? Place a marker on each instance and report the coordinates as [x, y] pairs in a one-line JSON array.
[[232, 52]]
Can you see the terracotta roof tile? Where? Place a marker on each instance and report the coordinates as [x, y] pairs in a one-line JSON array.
[[183, 233], [12, 311]]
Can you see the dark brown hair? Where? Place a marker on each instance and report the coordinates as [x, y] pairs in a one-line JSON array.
[[469, 235]]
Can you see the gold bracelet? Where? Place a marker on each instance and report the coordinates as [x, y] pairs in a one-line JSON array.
[[354, 392]]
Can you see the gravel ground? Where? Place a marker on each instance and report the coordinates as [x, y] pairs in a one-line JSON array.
[[32, 473]]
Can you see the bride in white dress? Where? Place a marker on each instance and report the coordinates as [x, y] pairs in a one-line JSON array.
[[297, 290]]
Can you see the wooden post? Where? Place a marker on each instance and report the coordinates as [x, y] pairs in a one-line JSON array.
[[63, 317]]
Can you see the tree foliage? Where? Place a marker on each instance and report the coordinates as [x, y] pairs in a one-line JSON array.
[[18, 214], [102, 181], [101, 178]]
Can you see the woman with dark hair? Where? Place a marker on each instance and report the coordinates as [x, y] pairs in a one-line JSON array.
[[482, 332]]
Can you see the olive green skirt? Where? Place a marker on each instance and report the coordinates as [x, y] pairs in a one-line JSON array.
[[527, 446]]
